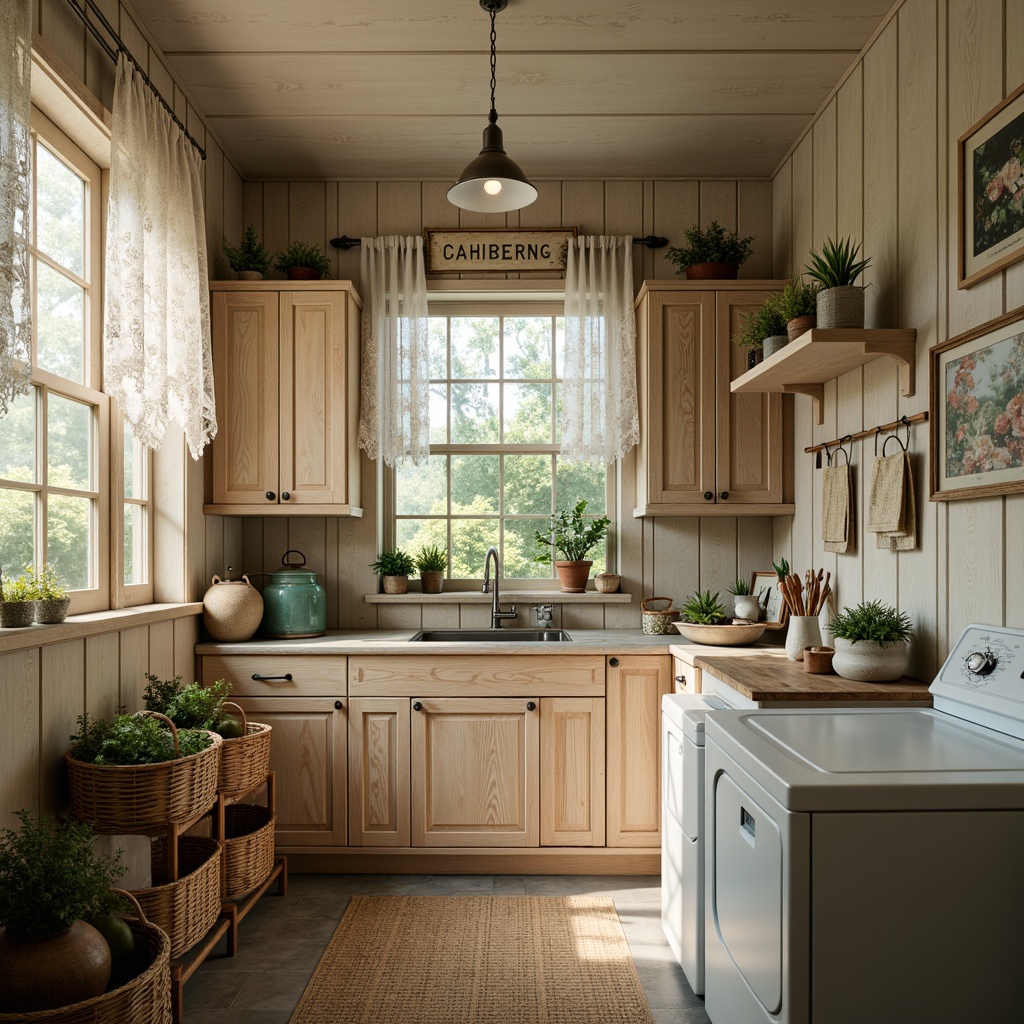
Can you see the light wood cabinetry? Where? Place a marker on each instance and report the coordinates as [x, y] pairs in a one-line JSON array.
[[635, 685], [286, 374], [704, 450], [378, 771], [685, 676]]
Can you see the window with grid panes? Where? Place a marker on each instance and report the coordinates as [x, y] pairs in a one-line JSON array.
[[494, 476]]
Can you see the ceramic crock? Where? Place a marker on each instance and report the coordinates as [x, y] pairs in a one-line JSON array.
[[294, 604], [232, 609]]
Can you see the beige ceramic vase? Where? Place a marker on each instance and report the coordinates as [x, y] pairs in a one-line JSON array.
[[232, 609]]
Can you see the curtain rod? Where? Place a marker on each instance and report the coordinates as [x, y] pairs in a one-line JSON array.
[[903, 421], [112, 53], [650, 241]]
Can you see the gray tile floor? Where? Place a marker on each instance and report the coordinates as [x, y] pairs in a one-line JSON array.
[[281, 940]]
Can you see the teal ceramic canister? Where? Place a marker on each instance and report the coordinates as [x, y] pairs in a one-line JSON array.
[[294, 604]]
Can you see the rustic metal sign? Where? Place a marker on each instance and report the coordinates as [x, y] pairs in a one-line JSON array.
[[505, 250]]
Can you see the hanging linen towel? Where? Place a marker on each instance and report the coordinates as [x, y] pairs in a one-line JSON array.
[[892, 513], [837, 509]]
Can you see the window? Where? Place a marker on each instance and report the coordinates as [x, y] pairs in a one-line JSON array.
[[56, 443], [494, 476]]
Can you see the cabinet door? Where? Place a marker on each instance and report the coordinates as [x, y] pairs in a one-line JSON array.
[[314, 384], [378, 771], [307, 751], [245, 373], [685, 677], [475, 771], [572, 781], [749, 431], [635, 687]]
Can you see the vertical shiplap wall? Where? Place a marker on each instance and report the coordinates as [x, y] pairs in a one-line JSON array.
[[879, 163]]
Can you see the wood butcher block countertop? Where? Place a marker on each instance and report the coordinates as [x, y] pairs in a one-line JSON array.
[[773, 677]]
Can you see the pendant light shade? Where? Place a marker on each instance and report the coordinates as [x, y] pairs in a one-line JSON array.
[[493, 182]]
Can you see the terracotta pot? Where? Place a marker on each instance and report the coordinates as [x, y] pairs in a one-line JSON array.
[[17, 614], [573, 576], [712, 271], [303, 274], [52, 609], [232, 609], [870, 662], [433, 582], [395, 584], [46, 971], [799, 326]]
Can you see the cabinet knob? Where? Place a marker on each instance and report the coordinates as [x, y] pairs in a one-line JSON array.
[[338, 705], [709, 495], [286, 678], [531, 706], [285, 495], [417, 706], [271, 495], [681, 680], [614, 662], [724, 495]]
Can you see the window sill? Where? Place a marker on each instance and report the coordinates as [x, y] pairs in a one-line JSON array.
[[508, 596], [94, 623]]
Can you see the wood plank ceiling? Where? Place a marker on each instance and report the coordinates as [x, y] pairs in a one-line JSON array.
[[385, 89]]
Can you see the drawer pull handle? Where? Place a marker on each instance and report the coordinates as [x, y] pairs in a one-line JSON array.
[[417, 706], [287, 678], [338, 705], [531, 706]]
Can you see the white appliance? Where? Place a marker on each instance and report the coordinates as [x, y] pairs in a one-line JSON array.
[[682, 827], [868, 865]]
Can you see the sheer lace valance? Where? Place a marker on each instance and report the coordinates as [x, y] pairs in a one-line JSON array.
[[393, 420], [600, 422], [15, 109], [157, 356]]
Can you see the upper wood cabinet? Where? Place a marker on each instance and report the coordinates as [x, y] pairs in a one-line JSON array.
[[286, 379], [704, 450]]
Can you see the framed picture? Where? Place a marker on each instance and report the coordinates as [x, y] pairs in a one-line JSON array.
[[990, 187], [977, 411], [765, 587]]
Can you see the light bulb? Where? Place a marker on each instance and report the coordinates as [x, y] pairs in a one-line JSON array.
[[492, 187]]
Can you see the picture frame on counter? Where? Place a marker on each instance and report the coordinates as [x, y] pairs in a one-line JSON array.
[[977, 411], [990, 192], [765, 587]]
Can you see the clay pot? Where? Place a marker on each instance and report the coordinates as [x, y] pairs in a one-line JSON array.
[[46, 971], [395, 584], [818, 660], [52, 609], [573, 576], [800, 325], [433, 582], [870, 662], [232, 609], [712, 271], [303, 274]]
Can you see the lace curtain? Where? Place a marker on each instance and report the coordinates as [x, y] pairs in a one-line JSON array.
[[393, 421], [15, 107], [600, 422], [157, 359]]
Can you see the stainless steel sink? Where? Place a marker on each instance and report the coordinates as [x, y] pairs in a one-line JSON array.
[[491, 636]]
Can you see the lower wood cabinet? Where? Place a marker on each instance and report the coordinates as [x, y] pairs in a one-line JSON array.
[[378, 771]]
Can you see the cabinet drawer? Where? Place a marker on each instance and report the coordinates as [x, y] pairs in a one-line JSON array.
[[311, 675]]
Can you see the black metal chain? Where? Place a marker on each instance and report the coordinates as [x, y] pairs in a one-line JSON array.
[[493, 116]]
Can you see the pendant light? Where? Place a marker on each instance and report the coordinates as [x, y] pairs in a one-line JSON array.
[[493, 182]]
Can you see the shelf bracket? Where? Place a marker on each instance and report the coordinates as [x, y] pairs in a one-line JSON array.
[[905, 353], [816, 391]]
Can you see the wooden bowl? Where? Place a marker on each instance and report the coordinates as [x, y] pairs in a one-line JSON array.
[[721, 636]]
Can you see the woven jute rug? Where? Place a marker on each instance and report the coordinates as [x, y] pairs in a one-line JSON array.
[[476, 960]]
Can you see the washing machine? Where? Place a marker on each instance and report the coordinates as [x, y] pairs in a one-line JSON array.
[[866, 865], [682, 821]]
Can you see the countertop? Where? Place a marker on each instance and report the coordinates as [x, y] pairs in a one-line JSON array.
[[767, 677]]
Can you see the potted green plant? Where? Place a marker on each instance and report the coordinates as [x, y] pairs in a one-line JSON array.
[[798, 304], [574, 535], [871, 642], [432, 563], [394, 568], [704, 609], [249, 259], [17, 600], [51, 884], [303, 262], [52, 601], [745, 604], [840, 302], [764, 328], [192, 706], [711, 253]]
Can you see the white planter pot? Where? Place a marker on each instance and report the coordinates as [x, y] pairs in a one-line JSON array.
[[745, 606], [869, 662]]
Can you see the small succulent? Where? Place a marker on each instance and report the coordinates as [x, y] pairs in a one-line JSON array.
[[871, 620], [739, 588], [837, 264], [703, 609], [781, 568], [394, 563]]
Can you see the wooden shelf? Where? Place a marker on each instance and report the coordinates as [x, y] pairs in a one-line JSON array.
[[803, 366]]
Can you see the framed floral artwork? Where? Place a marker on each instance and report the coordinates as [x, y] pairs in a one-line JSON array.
[[977, 411], [990, 179]]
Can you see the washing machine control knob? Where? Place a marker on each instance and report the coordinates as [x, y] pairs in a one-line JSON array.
[[981, 663]]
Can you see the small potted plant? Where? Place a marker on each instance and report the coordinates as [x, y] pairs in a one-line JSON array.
[[394, 568], [871, 642], [763, 329], [52, 601], [712, 253], [249, 260], [51, 884], [798, 304], [432, 563], [840, 302], [17, 600], [745, 604], [574, 535], [302, 262]]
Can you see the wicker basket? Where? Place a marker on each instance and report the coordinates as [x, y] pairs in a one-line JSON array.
[[145, 999], [188, 908], [135, 798], [248, 848], [657, 615], [245, 760]]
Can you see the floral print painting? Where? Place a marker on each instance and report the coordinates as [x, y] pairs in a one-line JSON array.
[[984, 415], [999, 186]]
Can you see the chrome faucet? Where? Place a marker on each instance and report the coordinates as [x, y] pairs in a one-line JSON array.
[[496, 613]]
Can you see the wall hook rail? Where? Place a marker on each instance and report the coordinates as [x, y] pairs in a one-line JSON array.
[[882, 428]]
